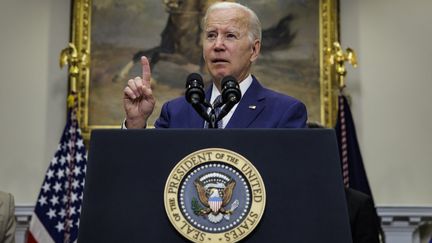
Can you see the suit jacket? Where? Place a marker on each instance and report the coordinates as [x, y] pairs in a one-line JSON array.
[[7, 218], [272, 110], [363, 218]]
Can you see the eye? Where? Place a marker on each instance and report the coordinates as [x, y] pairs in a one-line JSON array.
[[211, 36], [231, 36]]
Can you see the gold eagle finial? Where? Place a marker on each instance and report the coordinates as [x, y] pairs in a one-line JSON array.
[[338, 58], [70, 56]]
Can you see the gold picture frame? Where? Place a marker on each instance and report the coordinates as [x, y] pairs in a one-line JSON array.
[[81, 38]]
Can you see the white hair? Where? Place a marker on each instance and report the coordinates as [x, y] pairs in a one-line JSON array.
[[254, 27]]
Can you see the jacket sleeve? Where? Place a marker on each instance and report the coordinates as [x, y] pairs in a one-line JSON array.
[[163, 120], [294, 117]]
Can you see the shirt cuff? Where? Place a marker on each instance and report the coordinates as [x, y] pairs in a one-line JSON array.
[[123, 125]]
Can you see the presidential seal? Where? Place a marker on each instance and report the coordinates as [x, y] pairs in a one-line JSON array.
[[214, 195]]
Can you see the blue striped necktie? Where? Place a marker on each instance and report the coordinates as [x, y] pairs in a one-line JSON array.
[[217, 106]]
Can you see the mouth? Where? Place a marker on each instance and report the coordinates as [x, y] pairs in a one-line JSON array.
[[219, 61]]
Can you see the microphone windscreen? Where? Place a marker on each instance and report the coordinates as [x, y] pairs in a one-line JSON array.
[[228, 79], [194, 77], [230, 90]]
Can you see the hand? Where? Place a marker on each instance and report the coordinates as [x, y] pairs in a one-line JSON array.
[[138, 100]]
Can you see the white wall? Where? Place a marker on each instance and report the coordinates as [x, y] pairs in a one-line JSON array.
[[391, 95], [33, 91], [390, 91]]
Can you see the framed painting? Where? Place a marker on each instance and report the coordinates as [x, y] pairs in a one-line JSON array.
[[114, 34]]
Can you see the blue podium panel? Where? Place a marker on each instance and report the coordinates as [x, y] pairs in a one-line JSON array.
[[127, 171]]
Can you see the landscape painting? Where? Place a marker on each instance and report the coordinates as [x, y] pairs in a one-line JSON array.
[[168, 33]]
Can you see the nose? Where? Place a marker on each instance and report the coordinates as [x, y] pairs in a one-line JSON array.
[[219, 43]]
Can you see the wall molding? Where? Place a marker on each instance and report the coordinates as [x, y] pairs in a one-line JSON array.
[[402, 224], [23, 215]]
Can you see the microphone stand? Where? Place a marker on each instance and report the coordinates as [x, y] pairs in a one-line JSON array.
[[209, 118], [195, 96], [231, 95], [201, 109], [226, 109], [212, 122]]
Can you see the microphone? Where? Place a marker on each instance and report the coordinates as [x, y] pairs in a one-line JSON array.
[[231, 95], [194, 89], [195, 95], [230, 90]]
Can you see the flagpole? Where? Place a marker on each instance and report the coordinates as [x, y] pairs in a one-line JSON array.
[[69, 56]]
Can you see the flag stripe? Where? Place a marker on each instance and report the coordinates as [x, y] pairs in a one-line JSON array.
[[38, 232]]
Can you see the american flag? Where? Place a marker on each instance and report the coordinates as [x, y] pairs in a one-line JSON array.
[[58, 207], [353, 171]]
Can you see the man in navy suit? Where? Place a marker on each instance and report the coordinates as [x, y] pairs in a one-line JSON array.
[[231, 43]]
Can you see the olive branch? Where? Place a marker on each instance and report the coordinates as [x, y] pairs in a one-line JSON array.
[[196, 207]]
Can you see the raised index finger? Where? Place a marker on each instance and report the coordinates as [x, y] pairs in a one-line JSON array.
[[146, 73]]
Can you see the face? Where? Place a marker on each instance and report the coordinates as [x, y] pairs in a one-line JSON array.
[[227, 48]]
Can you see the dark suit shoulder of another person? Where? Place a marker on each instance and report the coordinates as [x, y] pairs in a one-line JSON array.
[[258, 108], [363, 218]]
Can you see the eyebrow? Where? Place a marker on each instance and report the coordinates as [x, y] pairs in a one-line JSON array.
[[230, 30]]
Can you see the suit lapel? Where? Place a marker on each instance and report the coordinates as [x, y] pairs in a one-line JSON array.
[[251, 105]]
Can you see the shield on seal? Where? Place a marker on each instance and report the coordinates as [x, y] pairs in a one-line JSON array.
[[215, 202]]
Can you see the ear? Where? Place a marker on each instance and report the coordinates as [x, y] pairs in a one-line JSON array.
[[256, 47]]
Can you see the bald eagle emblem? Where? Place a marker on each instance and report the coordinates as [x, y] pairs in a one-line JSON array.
[[214, 191]]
